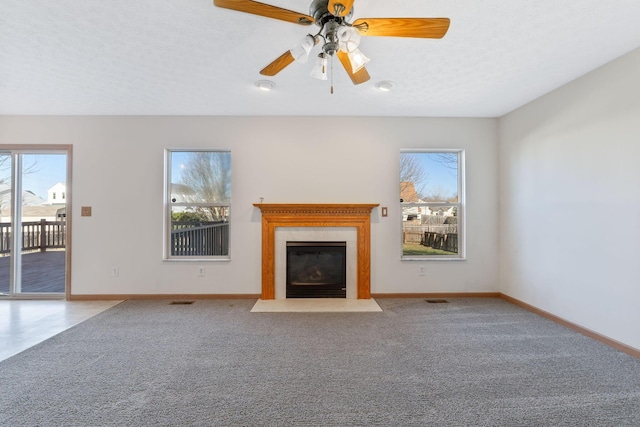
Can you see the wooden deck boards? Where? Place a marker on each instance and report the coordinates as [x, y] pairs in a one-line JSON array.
[[42, 272]]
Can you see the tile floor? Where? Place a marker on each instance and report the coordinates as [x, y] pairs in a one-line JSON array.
[[25, 323], [318, 305]]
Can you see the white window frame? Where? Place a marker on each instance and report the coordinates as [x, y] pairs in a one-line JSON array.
[[460, 205], [168, 204]]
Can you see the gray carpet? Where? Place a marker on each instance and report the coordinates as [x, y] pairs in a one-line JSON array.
[[471, 362]]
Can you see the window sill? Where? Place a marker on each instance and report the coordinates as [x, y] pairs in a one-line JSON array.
[[431, 258]]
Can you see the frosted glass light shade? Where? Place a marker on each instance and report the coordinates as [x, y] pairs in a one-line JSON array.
[[319, 70], [300, 52], [348, 39], [358, 60]]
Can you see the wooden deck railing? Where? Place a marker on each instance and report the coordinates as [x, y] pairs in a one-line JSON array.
[[199, 238], [187, 238], [36, 235]]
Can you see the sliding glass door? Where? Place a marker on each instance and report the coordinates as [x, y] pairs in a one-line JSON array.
[[33, 223]]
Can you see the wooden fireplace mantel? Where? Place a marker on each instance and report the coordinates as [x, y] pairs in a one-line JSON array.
[[316, 215]]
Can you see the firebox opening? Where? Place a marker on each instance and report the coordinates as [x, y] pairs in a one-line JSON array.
[[316, 270]]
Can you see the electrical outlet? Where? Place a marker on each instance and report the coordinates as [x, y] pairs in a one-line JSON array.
[[422, 272], [115, 271], [201, 271]]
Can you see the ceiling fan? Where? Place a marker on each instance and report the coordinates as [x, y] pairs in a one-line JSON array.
[[337, 35]]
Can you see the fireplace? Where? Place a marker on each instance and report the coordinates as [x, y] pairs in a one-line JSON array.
[[316, 270], [284, 215]]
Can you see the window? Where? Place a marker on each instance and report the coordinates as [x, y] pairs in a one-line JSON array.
[[432, 204], [198, 200]]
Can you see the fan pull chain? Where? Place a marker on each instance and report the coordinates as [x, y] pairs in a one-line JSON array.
[[331, 59]]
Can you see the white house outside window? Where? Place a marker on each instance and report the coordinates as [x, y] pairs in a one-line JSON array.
[[432, 204], [197, 204]]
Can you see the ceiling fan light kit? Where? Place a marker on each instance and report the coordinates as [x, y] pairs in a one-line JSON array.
[[358, 60], [349, 38], [338, 36], [319, 70], [300, 51]]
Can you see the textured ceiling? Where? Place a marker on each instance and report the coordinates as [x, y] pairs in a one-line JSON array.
[[187, 57]]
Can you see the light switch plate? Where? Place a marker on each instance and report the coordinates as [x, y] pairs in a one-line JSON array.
[[85, 211]]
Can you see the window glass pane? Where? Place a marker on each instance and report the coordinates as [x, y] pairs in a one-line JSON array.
[[199, 203], [430, 230], [5, 220], [43, 225], [429, 177], [429, 202], [194, 233], [201, 176]]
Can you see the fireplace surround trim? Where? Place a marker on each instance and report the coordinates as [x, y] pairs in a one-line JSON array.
[[316, 215]]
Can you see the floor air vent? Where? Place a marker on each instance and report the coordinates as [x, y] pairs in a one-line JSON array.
[[181, 302], [437, 301]]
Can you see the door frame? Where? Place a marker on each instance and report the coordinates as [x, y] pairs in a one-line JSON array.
[[68, 149]]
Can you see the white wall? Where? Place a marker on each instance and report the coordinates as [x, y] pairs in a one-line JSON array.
[[118, 170], [570, 201]]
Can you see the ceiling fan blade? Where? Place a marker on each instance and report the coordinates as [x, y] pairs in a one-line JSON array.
[[340, 7], [429, 28], [359, 77], [262, 9], [278, 64]]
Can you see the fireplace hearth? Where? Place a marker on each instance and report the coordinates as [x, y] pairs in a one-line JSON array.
[[316, 270]]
